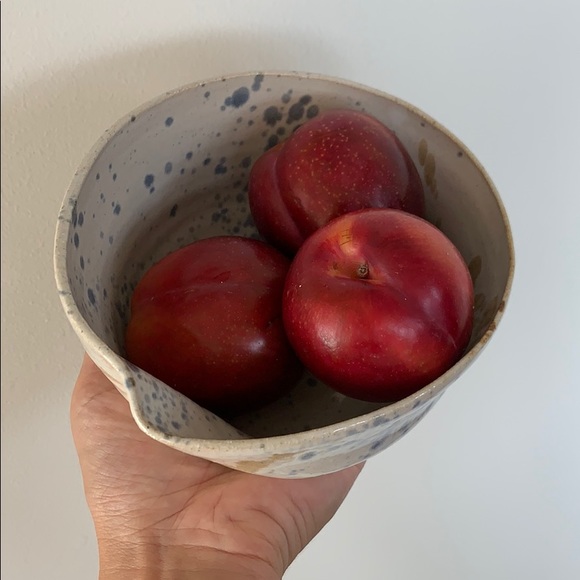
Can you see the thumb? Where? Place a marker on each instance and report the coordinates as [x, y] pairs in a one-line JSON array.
[[94, 400]]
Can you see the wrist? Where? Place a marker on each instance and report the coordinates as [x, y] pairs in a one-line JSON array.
[[124, 560]]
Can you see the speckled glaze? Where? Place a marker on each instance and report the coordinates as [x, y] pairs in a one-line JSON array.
[[175, 171]]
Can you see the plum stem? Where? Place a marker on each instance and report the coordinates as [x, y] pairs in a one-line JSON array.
[[363, 270]]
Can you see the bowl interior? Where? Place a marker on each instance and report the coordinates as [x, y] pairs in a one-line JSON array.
[[176, 171]]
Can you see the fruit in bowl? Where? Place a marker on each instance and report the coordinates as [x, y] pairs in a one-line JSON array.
[[207, 320], [341, 161], [378, 303], [175, 171]]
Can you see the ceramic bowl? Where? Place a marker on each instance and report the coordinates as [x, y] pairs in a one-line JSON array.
[[176, 170]]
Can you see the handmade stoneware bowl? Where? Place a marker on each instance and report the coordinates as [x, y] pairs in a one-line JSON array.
[[175, 171]]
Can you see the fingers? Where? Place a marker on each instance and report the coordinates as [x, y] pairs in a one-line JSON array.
[[90, 383], [92, 391], [96, 407], [92, 375]]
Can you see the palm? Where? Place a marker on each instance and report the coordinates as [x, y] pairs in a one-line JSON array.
[[151, 488]]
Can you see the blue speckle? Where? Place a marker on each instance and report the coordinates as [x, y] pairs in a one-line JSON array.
[[169, 121], [152, 190], [82, 262], [220, 168], [120, 310], [378, 444], [257, 82], [405, 429], [117, 209], [173, 211], [111, 240], [149, 180], [206, 94], [184, 416], [158, 419], [114, 177], [154, 395], [81, 218], [307, 455], [312, 111], [98, 176], [246, 162], [168, 167], [182, 171], [189, 155], [239, 97], [133, 118], [76, 240], [91, 295], [380, 421], [175, 425], [272, 115], [207, 161], [272, 141], [296, 112], [147, 398]]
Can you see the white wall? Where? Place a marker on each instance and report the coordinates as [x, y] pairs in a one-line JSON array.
[[486, 487]]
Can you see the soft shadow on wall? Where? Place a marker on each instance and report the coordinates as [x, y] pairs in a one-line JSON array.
[[49, 124]]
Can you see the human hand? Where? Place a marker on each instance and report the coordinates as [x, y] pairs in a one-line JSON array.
[[162, 514]]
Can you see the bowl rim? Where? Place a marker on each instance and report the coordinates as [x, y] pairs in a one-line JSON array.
[[231, 447]]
